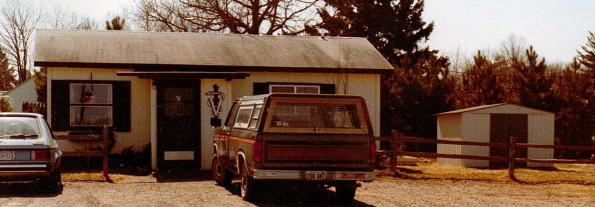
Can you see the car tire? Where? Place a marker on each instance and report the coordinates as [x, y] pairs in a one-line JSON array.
[[247, 185], [346, 192], [53, 183], [221, 175]]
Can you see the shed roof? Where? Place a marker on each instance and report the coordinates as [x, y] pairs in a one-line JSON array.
[[497, 108], [206, 52]]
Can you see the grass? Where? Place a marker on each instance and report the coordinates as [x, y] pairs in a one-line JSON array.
[[89, 176], [583, 174]]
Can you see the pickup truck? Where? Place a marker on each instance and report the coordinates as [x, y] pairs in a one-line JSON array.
[[318, 139]]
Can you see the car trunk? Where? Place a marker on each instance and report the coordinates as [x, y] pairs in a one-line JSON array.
[[316, 151]]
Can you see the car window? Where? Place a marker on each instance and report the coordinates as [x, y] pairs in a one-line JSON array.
[[18, 127]]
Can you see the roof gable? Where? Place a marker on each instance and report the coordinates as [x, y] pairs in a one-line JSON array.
[[497, 109], [196, 50]]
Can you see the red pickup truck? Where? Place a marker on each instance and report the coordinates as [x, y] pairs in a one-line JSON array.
[[318, 139]]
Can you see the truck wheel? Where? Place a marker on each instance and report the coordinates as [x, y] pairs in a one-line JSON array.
[[346, 192], [221, 175], [247, 185]]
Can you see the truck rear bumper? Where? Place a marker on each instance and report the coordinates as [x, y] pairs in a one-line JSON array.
[[313, 175]]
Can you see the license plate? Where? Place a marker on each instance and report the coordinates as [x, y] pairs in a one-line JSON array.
[[7, 155], [315, 175]]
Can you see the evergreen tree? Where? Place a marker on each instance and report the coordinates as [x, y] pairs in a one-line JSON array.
[[117, 23], [393, 27], [480, 83], [532, 85], [587, 57], [7, 73], [575, 121], [40, 78]]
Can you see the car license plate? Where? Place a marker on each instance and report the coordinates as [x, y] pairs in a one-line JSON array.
[[7, 155], [315, 175]]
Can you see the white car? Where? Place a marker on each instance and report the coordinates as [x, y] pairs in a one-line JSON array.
[[28, 151]]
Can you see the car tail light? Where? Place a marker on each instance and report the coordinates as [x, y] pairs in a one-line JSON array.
[[373, 153], [257, 151], [39, 155]]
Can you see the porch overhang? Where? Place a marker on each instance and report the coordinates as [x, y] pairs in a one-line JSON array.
[[184, 74]]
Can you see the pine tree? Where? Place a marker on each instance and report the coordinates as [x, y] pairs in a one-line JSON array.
[[7, 73], [480, 83], [587, 57], [117, 23], [532, 84], [394, 27]]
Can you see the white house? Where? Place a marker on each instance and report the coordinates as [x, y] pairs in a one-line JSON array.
[[153, 88], [495, 124], [25, 92]]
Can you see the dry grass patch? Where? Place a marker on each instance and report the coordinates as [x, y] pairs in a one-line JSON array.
[[561, 173], [91, 176]]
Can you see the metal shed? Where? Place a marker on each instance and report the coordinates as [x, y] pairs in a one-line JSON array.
[[495, 124]]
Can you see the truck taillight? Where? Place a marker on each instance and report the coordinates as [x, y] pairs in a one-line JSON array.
[[257, 151], [39, 155], [373, 153]]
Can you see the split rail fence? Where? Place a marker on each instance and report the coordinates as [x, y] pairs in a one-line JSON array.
[[397, 142]]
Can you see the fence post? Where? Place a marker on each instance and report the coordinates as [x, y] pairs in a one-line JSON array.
[[395, 147], [512, 158], [105, 152]]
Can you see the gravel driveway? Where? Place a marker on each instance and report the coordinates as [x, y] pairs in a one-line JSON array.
[[150, 191]]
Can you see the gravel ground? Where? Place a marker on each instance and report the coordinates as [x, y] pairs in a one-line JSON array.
[[151, 191]]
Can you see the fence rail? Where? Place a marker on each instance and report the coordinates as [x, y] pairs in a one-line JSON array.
[[397, 142]]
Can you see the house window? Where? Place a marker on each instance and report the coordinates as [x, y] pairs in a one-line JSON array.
[[312, 89], [90, 104], [86, 105], [280, 87]]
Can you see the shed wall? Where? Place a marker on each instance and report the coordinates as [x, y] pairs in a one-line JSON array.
[[449, 128]]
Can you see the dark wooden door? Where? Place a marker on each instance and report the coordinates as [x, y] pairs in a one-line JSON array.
[[502, 127], [178, 125]]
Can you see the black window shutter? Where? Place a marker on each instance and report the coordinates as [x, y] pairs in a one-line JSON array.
[[60, 105], [327, 88], [121, 106], [261, 88]]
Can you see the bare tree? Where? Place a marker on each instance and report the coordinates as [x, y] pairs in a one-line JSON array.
[[18, 23], [60, 18], [269, 17], [513, 48]]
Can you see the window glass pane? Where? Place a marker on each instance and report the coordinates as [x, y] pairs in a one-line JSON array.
[[84, 93], [255, 116], [243, 117], [90, 115], [308, 89], [315, 115], [10, 126]]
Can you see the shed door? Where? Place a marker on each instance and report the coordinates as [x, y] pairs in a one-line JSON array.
[[502, 126], [178, 120]]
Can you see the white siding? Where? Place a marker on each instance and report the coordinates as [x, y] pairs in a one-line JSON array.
[[476, 128], [539, 134], [449, 128]]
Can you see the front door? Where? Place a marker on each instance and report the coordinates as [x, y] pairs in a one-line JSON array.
[[178, 125], [502, 127]]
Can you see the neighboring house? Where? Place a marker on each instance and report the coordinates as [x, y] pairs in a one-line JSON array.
[[156, 88], [495, 124], [25, 92]]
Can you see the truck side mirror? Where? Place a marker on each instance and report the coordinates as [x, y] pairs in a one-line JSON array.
[[215, 122]]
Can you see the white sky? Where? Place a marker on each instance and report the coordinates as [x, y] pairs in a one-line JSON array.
[[555, 28]]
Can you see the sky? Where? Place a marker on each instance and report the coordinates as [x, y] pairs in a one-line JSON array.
[[555, 28]]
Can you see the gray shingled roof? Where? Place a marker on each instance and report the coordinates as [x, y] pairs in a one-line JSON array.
[[194, 51]]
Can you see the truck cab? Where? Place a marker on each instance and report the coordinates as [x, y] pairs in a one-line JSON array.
[[319, 139]]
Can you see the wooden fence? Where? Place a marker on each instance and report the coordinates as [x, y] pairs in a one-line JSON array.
[[397, 142]]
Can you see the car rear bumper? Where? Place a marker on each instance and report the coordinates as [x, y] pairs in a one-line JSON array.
[[314, 175], [25, 171]]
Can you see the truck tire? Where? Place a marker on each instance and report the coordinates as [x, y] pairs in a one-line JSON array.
[[221, 175], [247, 185], [346, 192]]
